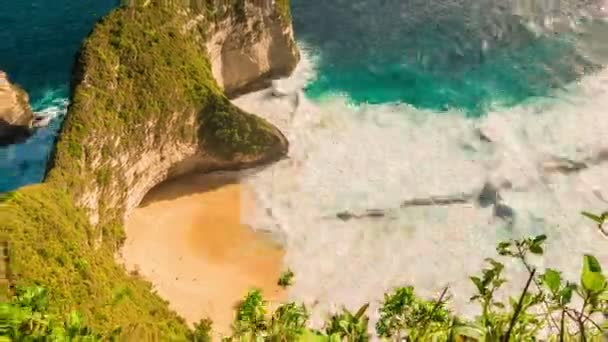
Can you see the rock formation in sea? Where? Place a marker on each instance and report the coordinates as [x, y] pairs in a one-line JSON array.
[[242, 63], [197, 130], [145, 107], [15, 112]]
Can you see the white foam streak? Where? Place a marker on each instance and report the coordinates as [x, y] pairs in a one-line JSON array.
[[376, 156]]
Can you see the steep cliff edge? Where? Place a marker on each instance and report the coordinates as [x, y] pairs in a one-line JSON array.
[[245, 62], [15, 113], [145, 107]]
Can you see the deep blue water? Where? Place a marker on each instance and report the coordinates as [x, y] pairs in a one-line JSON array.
[[38, 43]]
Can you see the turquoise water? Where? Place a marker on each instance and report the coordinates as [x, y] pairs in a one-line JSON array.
[[39, 41], [437, 55], [469, 55]]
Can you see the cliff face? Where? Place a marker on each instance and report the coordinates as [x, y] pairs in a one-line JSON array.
[[15, 113], [141, 116], [145, 107], [242, 62]]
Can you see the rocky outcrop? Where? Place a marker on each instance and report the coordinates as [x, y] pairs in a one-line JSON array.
[[249, 49], [15, 113], [144, 108], [127, 131]]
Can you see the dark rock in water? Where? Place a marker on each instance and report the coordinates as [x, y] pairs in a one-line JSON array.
[[41, 121], [564, 165], [13, 134], [504, 212], [488, 196], [15, 113], [437, 200], [483, 137], [345, 216], [375, 213]]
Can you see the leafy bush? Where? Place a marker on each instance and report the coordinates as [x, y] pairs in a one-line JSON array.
[[544, 306], [25, 317], [286, 279]]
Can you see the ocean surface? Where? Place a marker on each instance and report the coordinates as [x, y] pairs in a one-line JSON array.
[[38, 43], [422, 133], [397, 102]]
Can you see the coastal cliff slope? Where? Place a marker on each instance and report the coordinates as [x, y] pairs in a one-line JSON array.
[[145, 108]]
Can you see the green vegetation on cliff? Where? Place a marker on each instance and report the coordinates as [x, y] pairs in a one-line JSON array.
[[53, 244], [140, 74], [142, 81], [547, 305]]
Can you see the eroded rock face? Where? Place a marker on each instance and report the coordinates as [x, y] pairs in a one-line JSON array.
[[245, 53], [117, 163], [15, 113]]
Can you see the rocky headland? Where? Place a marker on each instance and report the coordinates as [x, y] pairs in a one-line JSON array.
[[148, 104]]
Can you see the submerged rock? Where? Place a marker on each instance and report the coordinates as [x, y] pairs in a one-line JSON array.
[[482, 136], [369, 213], [345, 215], [488, 196], [437, 200], [15, 113], [564, 165], [504, 212]]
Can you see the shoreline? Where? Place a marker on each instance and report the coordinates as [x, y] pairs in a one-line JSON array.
[[187, 239]]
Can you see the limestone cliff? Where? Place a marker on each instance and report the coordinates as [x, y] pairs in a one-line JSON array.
[[145, 107], [15, 113], [242, 62]]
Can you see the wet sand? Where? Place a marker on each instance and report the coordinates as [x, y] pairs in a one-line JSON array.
[[188, 240]]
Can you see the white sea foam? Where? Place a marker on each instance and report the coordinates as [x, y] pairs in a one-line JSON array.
[[351, 158]]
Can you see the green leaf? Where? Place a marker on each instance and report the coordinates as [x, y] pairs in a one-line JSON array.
[[503, 248], [310, 336], [471, 331], [594, 217], [592, 278], [566, 293], [539, 239], [499, 305], [361, 311], [536, 249], [478, 283], [552, 279]]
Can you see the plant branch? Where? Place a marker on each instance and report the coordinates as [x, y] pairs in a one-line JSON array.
[[519, 306], [435, 307], [522, 257], [580, 321]]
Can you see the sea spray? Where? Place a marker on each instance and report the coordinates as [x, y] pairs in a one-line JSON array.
[[353, 158]]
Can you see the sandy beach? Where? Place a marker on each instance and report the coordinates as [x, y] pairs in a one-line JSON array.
[[187, 239]]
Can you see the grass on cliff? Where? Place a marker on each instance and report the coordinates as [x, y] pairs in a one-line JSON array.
[[141, 81], [140, 78], [52, 244], [545, 309]]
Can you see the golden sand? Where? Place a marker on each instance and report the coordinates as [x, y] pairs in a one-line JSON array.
[[188, 240]]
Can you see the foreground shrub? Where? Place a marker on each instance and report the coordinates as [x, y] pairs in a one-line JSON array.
[[548, 308]]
